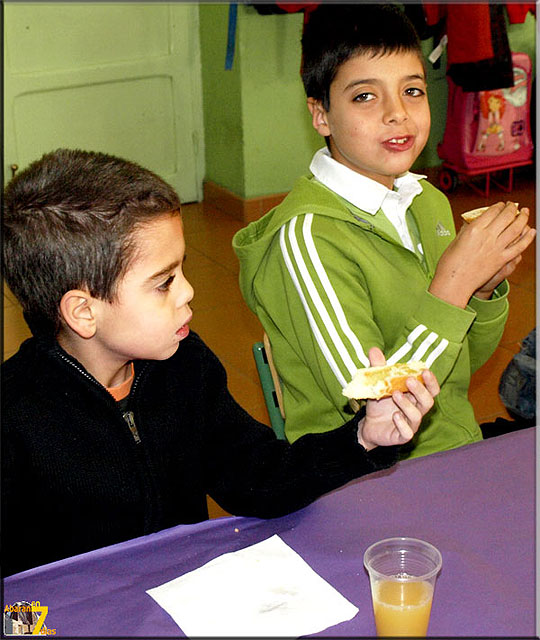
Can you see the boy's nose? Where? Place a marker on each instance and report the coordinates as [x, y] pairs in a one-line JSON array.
[[185, 295], [395, 112]]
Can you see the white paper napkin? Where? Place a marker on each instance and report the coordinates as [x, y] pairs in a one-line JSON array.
[[266, 589]]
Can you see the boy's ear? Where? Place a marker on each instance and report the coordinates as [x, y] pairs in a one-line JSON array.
[[319, 117], [76, 309]]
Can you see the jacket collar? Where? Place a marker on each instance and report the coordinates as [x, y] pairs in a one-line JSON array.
[[51, 347], [362, 192]]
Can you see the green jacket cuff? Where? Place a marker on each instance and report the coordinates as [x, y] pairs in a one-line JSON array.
[[488, 310]]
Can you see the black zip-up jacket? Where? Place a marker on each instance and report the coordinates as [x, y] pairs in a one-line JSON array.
[[76, 477]]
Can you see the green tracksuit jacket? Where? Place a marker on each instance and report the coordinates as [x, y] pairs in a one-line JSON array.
[[328, 283]]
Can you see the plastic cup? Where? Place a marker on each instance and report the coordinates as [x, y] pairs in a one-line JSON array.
[[402, 574]]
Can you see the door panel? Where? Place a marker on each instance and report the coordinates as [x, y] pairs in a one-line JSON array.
[[142, 129], [118, 78]]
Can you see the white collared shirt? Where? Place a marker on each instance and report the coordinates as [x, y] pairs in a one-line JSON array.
[[367, 194]]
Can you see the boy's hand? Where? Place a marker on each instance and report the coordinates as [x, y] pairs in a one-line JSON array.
[[395, 420], [485, 292], [482, 255]]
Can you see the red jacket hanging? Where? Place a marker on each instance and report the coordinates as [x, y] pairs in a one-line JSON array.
[[479, 56], [517, 13]]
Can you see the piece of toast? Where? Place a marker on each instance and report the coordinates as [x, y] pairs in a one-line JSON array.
[[471, 215], [381, 381]]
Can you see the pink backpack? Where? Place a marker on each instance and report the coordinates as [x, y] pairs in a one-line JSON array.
[[489, 130]]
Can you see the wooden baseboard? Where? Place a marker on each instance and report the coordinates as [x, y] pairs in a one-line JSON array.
[[243, 209]]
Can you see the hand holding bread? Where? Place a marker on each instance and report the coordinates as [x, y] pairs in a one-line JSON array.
[[382, 380], [471, 215], [394, 419], [482, 255]]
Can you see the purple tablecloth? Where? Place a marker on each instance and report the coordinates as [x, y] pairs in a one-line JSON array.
[[476, 504]]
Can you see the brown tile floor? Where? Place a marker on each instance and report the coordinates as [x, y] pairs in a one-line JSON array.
[[230, 329]]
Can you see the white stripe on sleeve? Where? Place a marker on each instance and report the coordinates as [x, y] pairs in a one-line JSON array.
[[436, 352], [318, 303], [318, 336], [424, 346], [404, 349], [330, 292]]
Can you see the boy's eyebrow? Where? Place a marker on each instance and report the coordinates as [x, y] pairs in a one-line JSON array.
[[159, 274], [413, 76]]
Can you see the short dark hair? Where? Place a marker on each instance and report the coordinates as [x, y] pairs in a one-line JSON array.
[[336, 32], [68, 223]]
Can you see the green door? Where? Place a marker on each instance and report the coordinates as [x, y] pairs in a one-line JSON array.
[[119, 78]]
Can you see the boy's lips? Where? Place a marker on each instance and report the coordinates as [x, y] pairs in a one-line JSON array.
[[398, 143], [184, 329], [183, 332]]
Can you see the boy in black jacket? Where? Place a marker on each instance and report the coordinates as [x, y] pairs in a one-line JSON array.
[[117, 421]]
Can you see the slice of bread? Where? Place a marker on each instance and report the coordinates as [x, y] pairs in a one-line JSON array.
[[471, 215], [382, 381], [468, 216]]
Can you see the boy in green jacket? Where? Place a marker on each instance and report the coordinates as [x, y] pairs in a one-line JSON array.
[[363, 252]]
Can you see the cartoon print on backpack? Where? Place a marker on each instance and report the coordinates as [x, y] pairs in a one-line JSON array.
[[492, 109], [492, 105]]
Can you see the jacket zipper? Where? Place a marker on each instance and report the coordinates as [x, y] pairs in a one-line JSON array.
[[86, 375], [130, 419], [150, 516], [128, 416]]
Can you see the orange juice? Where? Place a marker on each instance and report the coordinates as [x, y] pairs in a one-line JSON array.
[[402, 608]]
